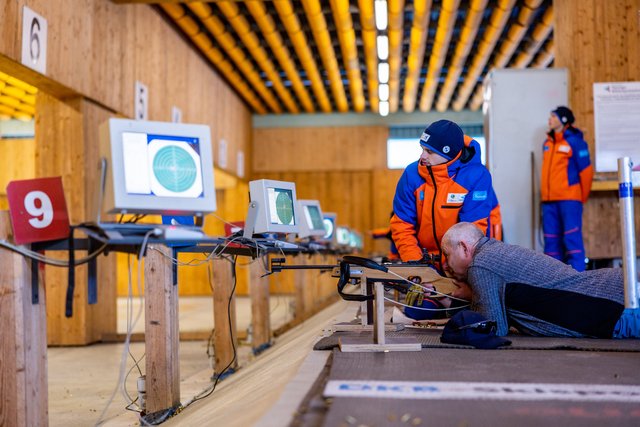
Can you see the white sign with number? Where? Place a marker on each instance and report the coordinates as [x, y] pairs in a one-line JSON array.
[[222, 153], [34, 40], [240, 164], [141, 101], [176, 114]]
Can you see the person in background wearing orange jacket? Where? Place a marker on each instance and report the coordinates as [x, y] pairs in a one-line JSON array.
[[448, 184], [567, 174]]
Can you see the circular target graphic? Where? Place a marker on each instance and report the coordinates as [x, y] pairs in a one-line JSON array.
[[284, 207], [174, 168]]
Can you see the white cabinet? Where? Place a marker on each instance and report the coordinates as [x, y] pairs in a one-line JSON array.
[[517, 104]]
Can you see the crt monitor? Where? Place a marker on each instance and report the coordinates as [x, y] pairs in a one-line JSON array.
[[156, 168], [343, 236], [311, 223], [329, 221], [273, 208]]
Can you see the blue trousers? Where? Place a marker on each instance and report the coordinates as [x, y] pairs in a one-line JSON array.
[[562, 227]]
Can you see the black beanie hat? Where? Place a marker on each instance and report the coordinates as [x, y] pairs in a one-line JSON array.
[[565, 115], [444, 137]]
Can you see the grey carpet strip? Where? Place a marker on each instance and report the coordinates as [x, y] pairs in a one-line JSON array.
[[430, 338]]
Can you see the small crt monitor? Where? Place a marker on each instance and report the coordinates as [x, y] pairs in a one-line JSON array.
[[273, 207], [156, 168], [329, 222], [343, 236], [311, 223], [355, 240]]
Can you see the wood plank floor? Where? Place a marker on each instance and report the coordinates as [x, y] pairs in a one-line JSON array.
[[83, 379]]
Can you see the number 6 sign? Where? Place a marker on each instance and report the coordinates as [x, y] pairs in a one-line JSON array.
[[38, 210]]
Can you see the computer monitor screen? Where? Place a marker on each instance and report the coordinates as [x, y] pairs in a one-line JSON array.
[[343, 236], [311, 223], [329, 222], [156, 168], [275, 207], [355, 240]]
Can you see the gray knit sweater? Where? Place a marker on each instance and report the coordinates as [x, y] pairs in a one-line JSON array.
[[495, 264]]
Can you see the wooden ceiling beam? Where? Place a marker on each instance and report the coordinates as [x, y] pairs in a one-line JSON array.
[[217, 58], [369, 34], [446, 25], [465, 42], [252, 43], [498, 20], [228, 43], [315, 17], [508, 46], [300, 45], [417, 45], [279, 49], [395, 33], [347, 38]]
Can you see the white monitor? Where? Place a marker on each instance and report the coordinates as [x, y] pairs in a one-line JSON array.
[[343, 236], [329, 222], [312, 222], [156, 168], [355, 240], [273, 208]]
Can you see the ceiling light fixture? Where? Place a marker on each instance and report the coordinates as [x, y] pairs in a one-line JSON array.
[[383, 92], [381, 15], [383, 108], [383, 47], [383, 72]]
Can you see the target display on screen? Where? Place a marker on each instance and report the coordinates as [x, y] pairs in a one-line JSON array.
[[157, 167], [170, 166], [281, 206]]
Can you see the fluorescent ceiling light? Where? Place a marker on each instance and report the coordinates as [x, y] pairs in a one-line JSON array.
[[383, 72], [383, 47], [383, 92], [381, 15], [383, 108]]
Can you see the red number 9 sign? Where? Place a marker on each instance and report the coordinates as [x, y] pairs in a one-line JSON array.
[[38, 210]]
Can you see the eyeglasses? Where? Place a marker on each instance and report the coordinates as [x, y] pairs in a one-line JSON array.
[[483, 327]]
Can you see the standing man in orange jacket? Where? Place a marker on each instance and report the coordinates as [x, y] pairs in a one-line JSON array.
[[448, 184], [567, 174]]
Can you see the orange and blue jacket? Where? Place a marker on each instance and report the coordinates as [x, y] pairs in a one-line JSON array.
[[566, 168], [430, 199]]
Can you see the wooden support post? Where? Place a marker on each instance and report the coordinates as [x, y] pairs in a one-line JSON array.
[[225, 335], [301, 289], [259, 294], [161, 330], [23, 342]]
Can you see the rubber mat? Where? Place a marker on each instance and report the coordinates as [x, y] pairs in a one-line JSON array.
[[478, 369], [430, 338]]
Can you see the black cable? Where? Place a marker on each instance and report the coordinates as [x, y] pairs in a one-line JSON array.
[[233, 345]]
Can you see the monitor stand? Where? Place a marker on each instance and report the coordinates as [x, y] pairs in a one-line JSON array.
[[250, 222]]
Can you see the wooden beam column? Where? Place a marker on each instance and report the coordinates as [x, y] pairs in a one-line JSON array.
[[66, 135], [162, 339], [225, 335], [259, 294], [23, 342]]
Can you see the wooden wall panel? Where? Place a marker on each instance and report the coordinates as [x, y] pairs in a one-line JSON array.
[[21, 152], [342, 167], [598, 42], [319, 149], [98, 49]]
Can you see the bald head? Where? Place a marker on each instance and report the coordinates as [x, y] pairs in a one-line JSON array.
[[462, 232], [458, 247]]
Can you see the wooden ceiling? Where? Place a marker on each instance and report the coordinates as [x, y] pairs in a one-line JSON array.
[[320, 56]]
